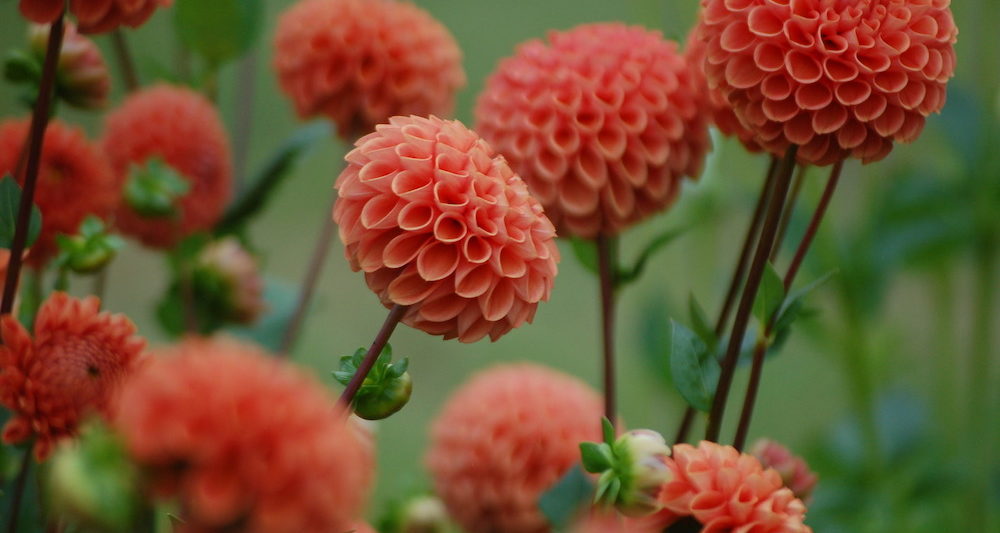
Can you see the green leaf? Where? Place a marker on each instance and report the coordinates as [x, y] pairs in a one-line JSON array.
[[219, 30], [596, 457], [586, 253], [793, 309], [608, 430], [769, 296], [561, 503], [20, 67], [658, 243], [695, 370], [701, 325], [10, 202]]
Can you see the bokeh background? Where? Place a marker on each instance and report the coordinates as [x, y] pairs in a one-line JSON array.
[[891, 388]]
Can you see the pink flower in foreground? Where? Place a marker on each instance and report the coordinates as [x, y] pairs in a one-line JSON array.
[[603, 122], [440, 223], [795, 473], [94, 16], [837, 78], [506, 437]]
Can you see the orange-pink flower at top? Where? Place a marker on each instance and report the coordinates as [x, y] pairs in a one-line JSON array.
[[360, 62], [243, 441], [74, 181], [505, 438], [440, 223], [838, 78], [72, 366], [795, 473], [182, 129], [726, 491], [94, 16], [603, 122]]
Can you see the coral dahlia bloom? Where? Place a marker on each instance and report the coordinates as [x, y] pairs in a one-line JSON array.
[[94, 16], [182, 129], [611, 522], [726, 491], [243, 441], [360, 62], [72, 366], [795, 473], [505, 438], [74, 181], [838, 78], [603, 122], [440, 223]]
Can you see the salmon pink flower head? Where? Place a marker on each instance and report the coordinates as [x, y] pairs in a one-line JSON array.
[[94, 16], [74, 181], [71, 367], [603, 122], [243, 441], [597, 521], [725, 490], [180, 128], [82, 79], [360, 62], [795, 473], [440, 223], [503, 439], [838, 78]]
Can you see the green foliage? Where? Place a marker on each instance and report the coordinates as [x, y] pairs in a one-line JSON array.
[[90, 250], [694, 368], [385, 390], [152, 190], [769, 296], [221, 30], [10, 202], [585, 252], [567, 498]]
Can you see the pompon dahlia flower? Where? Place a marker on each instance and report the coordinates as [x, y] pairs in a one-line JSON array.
[[182, 129], [506, 437], [439, 222], [74, 181], [360, 62], [839, 78], [795, 473], [72, 366], [611, 522], [93, 16], [243, 441], [603, 122], [725, 491]]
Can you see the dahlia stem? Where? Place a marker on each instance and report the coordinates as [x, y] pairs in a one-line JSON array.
[[20, 482], [125, 62], [242, 134], [381, 339], [742, 320], [753, 229], [760, 350], [606, 262], [320, 252], [36, 137], [786, 216]]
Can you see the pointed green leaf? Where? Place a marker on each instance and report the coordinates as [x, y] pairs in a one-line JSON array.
[[695, 370], [400, 368], [561, 503], [609, 431], [586, 253], [700, 323], [220, 30], [596, 457], [10, 203], [769, 296], [658, 243]]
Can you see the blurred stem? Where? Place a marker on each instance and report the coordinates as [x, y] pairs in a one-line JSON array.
[[946, 375], [101, 282], [381, 339], [606, 259], [786, 216], [20, 482], [125, 62], [243, 127]]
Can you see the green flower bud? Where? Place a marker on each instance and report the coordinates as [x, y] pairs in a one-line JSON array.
[[90, 250], [632, 470], [386, 389], [153, 190]]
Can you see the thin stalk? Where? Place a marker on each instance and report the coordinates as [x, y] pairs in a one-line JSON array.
[[381, 339], [36, 137], [19, 484], [817, 219], [686, 422], [125, 62], [786, 216], [320, 252], [742, 319], [242, 133], [101, 283], [606, 262]]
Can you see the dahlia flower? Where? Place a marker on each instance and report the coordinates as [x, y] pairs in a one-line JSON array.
[[82, 78], [506, 437], [74, 181], [183, 129], [243, 441], [837, 78], [360, 62], [439, 222], [603, 122], [601, 522], [795, 473], [72, 366], [233, 272], [725, 490], [93, 16]]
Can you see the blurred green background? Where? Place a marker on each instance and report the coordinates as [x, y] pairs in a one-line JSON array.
[[890, 390]]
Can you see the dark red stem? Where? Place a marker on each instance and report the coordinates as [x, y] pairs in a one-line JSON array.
[[605, 261], [129, 75], [381, 339], [817, 219], [786, 217]]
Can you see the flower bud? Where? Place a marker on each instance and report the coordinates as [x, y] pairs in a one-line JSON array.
[[386, 389], [239, 283], [90, 250], [424, 514], [794, 471], [153, 189], [632, 468], [82, 79]]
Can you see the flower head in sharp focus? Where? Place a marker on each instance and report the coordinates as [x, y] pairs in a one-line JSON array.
[[603, 122], [439, 222], [838, 78], [503, 439], [795, 473], [244, 442], [74, 181], [72, 366], [168, 142], [725, 490], [360, 62], [93, 16]]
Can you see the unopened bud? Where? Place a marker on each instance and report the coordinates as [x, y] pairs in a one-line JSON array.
[[794, 471], [633, 468], [82, 79], [240, 287]]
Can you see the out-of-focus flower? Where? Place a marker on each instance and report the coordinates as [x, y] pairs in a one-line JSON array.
[[93, 16], [422, 513], [243, 441], [360, 62], [439, 222], [89, 251], [632, 469], [725, 490], [603, 123], [82, 79], [74, 181], [506, 437], [235, 279], [839, 79], [795, 473], [72, 366], [362, 527], [183, 130], [597, 521]]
